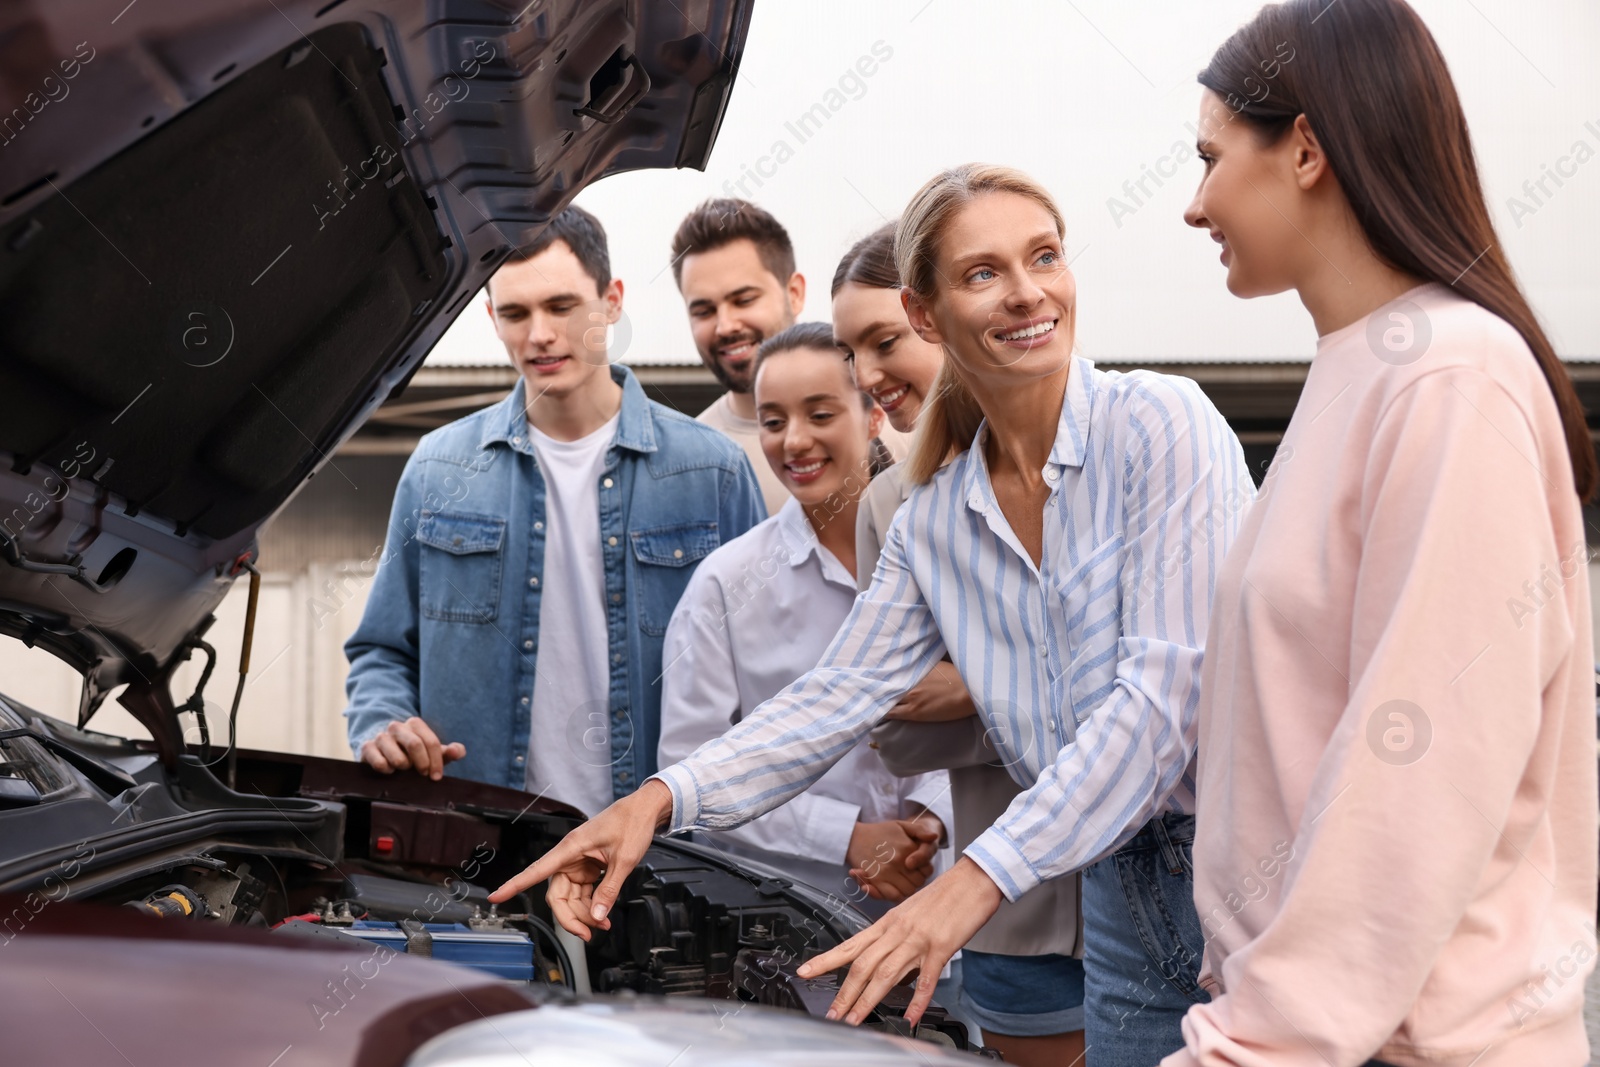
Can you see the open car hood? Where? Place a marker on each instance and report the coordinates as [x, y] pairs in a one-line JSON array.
[[230, 230]]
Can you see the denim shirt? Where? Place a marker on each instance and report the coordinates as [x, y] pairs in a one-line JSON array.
[[451, 629]]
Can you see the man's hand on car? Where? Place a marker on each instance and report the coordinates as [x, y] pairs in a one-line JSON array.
[[586, 869], [891, 860], [411, 744]]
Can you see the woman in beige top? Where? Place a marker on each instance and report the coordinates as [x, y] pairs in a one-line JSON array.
[[1022, 978], [1395, 855]]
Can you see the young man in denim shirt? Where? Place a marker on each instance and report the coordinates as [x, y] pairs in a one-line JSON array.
[[536, 551]]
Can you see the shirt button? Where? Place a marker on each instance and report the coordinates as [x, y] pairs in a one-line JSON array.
[[606, 483], [524, 701], [1051, 475], [616, 598], [538, 526], [527, 644], [521, 759], [623, 777], [617, 658], [619, 714], [1051, 726], [677, 553], [612, 541], [533, 581]]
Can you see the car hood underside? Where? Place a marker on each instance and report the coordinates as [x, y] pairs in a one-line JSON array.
[[229, 232]]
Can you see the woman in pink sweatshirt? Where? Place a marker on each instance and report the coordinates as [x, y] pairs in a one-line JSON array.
[[1395, 855]]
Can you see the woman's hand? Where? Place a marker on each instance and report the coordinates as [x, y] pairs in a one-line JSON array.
[[891, 860], [920, 935], [587, 867], [939, 697]]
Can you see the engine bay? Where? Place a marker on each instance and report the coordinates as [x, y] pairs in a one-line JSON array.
[[414, 878]]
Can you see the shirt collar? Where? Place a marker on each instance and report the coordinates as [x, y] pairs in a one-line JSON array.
[[796, 532], [1071, 445], [635, 425], [802, 542]]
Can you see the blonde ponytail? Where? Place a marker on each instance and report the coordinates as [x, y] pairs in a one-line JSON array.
[[948, 422]]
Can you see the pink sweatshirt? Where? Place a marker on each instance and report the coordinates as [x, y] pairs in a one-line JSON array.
[[1396, 854]]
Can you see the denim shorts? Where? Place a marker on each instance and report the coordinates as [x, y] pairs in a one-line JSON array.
[[1022, 996]]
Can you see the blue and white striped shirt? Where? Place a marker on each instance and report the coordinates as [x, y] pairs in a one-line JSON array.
[[1086, 669]]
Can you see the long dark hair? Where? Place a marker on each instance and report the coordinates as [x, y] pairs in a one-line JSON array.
[[1370, 79]]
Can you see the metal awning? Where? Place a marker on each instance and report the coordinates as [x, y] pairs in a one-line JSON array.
[[1255, 397]]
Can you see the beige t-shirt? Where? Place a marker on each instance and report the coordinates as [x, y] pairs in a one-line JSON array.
[[747, 434]]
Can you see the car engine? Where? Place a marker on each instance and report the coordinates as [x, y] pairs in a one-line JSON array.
[[401, 876]]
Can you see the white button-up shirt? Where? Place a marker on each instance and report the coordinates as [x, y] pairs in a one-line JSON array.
[[1086, 668], [759, 613]]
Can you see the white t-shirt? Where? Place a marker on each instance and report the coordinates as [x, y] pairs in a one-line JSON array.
[[569, 751]]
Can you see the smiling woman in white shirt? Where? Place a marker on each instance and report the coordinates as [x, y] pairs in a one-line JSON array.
[[1064, 559], [762, 609]]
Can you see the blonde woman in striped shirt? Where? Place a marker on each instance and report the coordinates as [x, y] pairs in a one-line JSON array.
[[1064, 559], [1021, 976]]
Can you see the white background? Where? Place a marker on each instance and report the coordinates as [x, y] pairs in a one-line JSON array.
[[1084, 94]]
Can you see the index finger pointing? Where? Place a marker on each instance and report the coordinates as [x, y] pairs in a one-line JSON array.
[[538, 871], [841, 954]]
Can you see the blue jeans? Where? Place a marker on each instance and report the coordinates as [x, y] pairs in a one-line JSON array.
[[1142, 944]]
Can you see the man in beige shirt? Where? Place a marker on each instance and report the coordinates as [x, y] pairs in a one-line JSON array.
[[734, 265]]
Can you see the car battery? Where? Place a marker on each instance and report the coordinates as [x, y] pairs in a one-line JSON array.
[[503, 953]]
